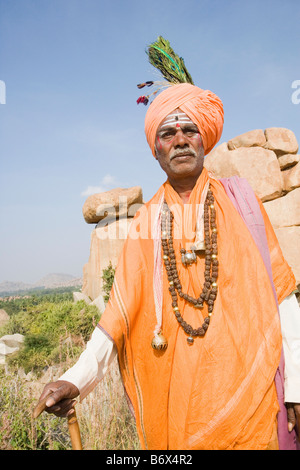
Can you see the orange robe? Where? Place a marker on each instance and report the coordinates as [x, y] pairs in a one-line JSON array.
[[218, 393]]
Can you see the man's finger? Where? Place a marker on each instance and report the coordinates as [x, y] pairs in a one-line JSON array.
[[48, 389], [62, 408], [291, 417], [56, 396], [51, 401], [297, 415]]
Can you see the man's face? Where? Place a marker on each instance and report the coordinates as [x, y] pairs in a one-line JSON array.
[[179, 147]]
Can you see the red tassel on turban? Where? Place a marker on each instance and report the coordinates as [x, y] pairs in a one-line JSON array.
[[203, 107]]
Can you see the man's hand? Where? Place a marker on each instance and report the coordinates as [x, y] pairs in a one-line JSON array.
[[60, 398], [293, 413]]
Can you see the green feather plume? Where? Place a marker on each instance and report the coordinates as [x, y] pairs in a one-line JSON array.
[[172, 67]]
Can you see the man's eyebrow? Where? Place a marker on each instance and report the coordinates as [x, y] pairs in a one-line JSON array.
[[190, 126], [167, 128], [184, 126]]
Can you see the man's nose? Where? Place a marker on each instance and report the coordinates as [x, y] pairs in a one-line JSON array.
[[180, 139]]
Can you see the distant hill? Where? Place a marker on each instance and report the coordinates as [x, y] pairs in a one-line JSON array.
[[52, 280], [8, 286], [57, 280]]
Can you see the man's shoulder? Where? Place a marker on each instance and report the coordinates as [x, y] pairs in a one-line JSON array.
[[151, 203], [156, 197]]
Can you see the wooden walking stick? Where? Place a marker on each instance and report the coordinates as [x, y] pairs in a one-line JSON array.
[[72, 424], [74, 431]]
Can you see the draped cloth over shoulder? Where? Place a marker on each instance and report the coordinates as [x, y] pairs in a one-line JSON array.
[[220, 392], [203, 107]]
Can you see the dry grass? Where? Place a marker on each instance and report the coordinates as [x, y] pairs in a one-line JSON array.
[[104, 417]]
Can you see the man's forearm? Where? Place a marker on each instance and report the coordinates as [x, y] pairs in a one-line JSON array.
[[290, 327], [92, 364]]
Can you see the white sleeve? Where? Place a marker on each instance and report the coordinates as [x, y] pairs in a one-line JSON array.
[[92, 364], [290, 326]]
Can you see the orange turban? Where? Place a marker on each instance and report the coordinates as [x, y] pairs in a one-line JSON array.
[[203, 107]]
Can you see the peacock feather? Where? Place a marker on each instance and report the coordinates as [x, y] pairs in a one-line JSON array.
[[171, 66]]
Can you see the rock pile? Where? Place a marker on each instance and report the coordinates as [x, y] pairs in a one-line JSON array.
[[269, 161]]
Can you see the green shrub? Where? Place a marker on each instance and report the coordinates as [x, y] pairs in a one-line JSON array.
[[22, 301], [52, 331], [108, 279]]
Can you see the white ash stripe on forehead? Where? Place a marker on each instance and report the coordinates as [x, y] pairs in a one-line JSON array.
[[179, 118]]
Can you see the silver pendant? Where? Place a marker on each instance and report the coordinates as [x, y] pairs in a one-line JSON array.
[[190, 340], [189, 257]]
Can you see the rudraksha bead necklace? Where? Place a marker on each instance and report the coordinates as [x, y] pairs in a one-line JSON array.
[[209, 290]]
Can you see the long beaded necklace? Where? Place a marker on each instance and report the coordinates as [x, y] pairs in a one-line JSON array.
[[209, 290]]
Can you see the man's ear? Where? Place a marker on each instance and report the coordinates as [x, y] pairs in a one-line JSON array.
[[155, 150]]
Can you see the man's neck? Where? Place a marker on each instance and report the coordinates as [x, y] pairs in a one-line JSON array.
[[184, 187]]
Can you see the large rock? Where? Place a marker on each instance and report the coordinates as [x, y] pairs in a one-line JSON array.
[[10, 344], [78, 296], [12, 341], [284, 211], [254, 138], [99, 302], [113, 204], [106, 245], [288, 160], [258, 165], [281, 140], [4, 317], [291, 178], [216, 161]]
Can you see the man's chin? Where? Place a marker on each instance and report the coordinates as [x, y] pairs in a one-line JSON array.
[[186, 169], [183, 164]]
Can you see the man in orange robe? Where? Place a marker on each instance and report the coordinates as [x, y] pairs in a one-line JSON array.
[[217, 390]]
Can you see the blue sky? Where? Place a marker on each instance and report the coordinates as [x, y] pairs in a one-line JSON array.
[[70, 122]]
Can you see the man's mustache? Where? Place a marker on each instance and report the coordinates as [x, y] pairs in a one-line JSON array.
[[181, 152]]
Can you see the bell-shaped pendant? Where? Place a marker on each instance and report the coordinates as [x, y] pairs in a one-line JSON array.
[[159, 342]]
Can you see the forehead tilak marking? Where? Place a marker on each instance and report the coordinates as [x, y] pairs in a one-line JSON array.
[[177, 117]]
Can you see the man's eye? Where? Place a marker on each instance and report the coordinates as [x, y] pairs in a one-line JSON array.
[[167, 135]]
